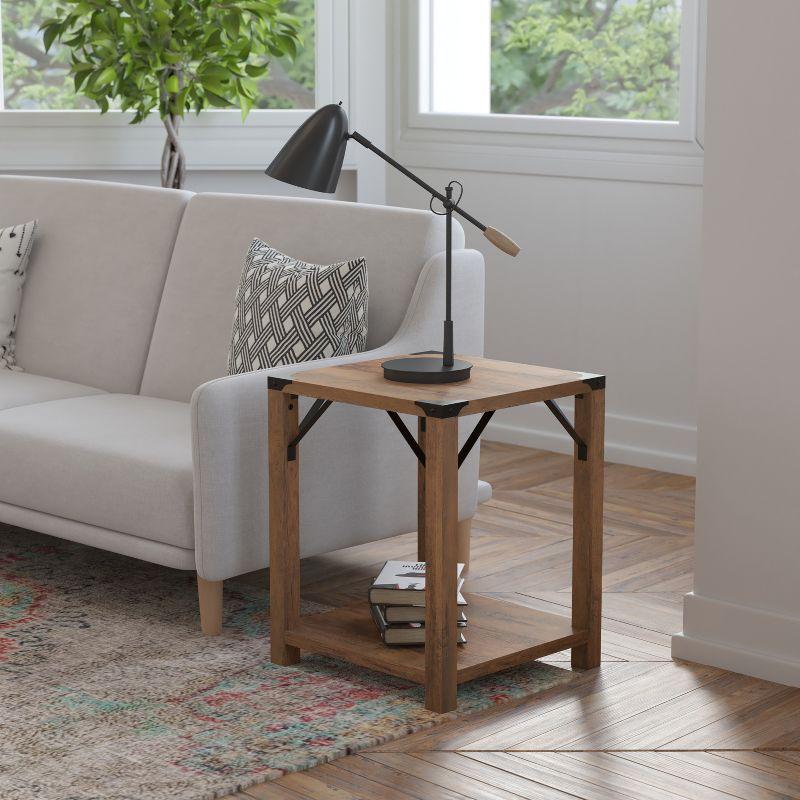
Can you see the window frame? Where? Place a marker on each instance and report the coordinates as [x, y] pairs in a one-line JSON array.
[[682, 130], [84, 139], [628, 150]]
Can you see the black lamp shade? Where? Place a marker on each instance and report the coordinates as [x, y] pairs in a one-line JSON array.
[[312, 158]]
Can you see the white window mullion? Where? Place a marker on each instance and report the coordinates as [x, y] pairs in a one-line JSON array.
[[332, 69]]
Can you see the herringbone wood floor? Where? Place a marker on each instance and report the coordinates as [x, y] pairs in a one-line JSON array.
[[641, 726]]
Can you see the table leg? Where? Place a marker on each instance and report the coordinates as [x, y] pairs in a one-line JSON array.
[[421, 493], [441, 518], [284, 526], [587, 547]]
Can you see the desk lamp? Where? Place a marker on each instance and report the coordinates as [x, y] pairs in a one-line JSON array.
[[312, 159]]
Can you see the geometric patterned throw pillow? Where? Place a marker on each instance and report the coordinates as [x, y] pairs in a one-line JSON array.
[[15, 247], [288, 311]]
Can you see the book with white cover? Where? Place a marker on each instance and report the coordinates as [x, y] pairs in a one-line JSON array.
[[403, 583]]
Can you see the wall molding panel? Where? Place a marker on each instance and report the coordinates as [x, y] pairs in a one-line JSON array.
[[739, 638], [639, 442]]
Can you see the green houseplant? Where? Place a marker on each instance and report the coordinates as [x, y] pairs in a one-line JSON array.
[[171, 56]]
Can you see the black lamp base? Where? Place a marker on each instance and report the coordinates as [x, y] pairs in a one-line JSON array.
[[425, 370]]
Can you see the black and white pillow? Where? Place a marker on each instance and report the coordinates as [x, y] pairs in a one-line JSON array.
[[288, 311], [15, 247]]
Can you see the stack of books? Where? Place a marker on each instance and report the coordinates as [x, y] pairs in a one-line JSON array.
[[397, 600]]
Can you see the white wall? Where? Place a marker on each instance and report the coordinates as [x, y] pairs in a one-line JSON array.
[[744, 614], [607, 281]]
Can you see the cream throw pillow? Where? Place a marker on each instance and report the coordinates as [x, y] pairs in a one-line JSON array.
[[15, 247]]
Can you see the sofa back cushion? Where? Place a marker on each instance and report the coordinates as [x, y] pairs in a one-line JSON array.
[[193, 329], [95, 276]]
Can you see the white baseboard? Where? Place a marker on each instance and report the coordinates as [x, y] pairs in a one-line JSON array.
[[750, 641], [638, 442]]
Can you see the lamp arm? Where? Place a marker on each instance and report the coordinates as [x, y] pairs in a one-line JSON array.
[[496, 237], [364, 142]]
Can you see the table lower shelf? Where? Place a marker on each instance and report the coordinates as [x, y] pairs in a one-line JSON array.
[[499, 635]]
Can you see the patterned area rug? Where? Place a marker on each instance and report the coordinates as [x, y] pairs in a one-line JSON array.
[[109, 692]]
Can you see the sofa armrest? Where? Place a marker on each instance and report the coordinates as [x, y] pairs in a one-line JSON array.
[[422, 327], [229, 430]]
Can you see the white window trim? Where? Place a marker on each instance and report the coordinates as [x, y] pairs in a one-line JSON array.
[[214, 140], [669, 152]]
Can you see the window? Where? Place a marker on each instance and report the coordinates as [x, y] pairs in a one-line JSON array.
[[614, 59], [543, 65], [46, 126], [35, 80]]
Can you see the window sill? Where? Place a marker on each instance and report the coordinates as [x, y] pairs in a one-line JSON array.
[[86, 140], [575, 156], [580, 127]]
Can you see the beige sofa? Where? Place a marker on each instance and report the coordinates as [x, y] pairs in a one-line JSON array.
[[123, 432]]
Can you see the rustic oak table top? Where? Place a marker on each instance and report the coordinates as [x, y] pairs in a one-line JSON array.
[[493, 385]]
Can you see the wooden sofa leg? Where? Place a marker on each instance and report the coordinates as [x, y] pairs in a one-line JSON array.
[[210, 596], [463, 533]]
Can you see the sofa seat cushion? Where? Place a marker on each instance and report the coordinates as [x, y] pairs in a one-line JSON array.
[[122, 462], [22, 389]]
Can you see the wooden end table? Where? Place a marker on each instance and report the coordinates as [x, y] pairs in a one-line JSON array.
[[500, 634]]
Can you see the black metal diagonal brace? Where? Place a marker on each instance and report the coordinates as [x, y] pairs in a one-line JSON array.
[[314, 413], [406, 433], [474, 436], [418, 451], [583, 453]]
